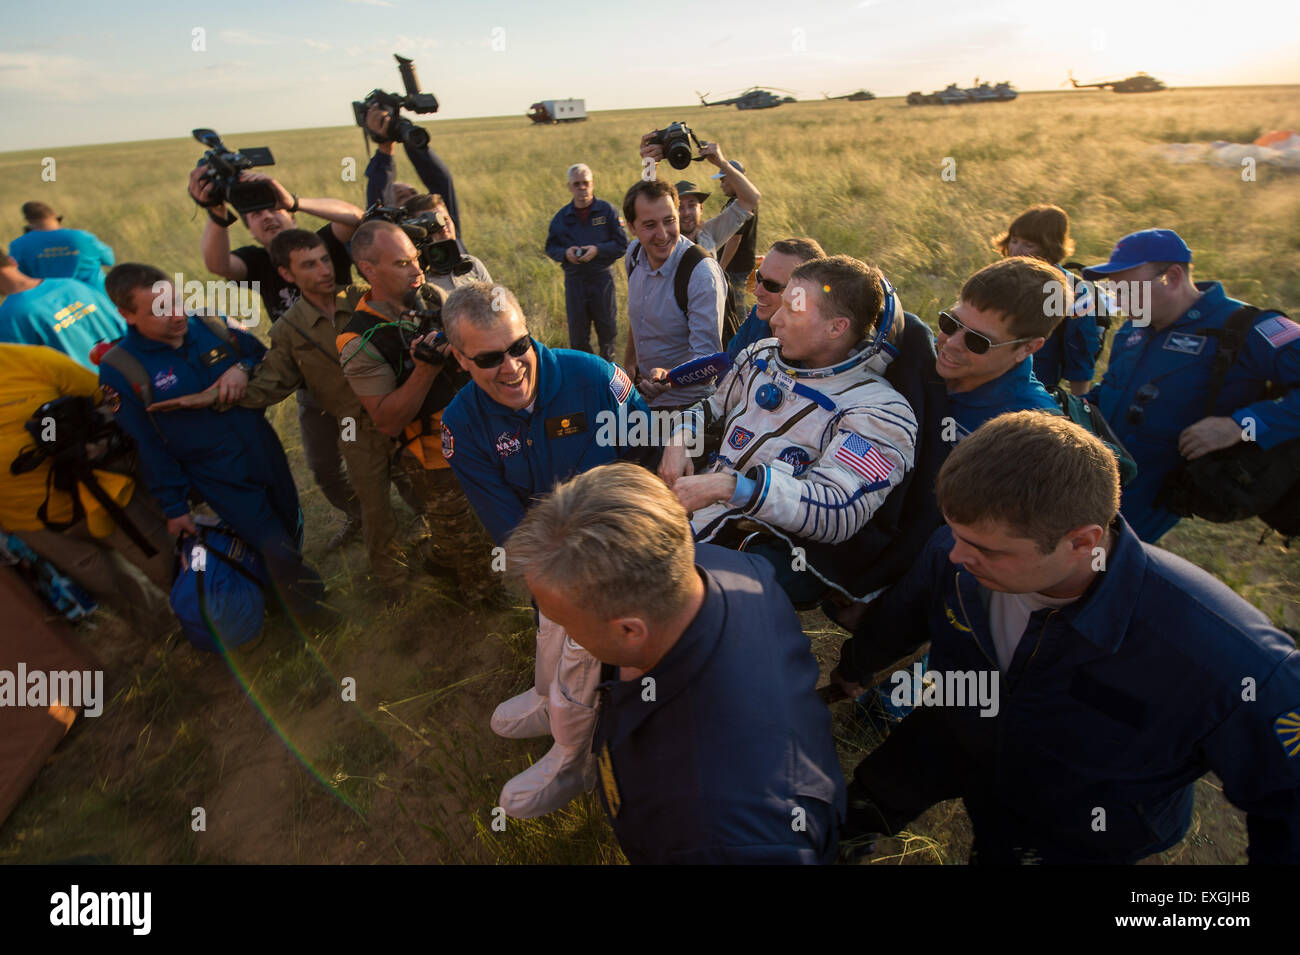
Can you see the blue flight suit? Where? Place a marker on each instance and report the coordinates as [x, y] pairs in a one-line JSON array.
[[1118, 701], [232, 458], [1071, 351], [732, 761], [504, 459], [63, 254], [1015, 390], [66, 314], [752, 329], [589, 286], [1176, 363]]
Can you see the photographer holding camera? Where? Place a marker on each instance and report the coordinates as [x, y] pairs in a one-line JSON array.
[[381, 172], [319, 429], [393, 358], [70, 527], [714, 233], [446, 263]]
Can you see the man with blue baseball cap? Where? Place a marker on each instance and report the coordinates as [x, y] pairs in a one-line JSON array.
[[1158, 393]]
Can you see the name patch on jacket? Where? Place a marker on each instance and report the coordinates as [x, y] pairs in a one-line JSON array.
[[212, 356], [597, 220], [739, 437], [508, 444], [566, 425], [1185, 344]]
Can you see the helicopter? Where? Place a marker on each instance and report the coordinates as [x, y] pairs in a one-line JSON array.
[[1137, 83], [858, 96], [753, 98], [955, 95]]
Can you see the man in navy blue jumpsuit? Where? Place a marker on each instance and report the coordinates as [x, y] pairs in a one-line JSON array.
[[232, 459], [711, 743], [587, 237], [533, 417], [1155, 391], [1120, 674]]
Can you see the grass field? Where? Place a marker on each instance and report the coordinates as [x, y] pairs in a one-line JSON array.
[[288, 772]]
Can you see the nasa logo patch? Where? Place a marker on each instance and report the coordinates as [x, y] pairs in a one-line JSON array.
[[448, 442], [1136, 337], [797, 458], [165, 380], [739, 437], [508, 444]]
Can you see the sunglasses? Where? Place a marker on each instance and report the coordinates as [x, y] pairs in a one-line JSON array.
[[1137, 410], [776, 288], [493, 359], [976, 343]]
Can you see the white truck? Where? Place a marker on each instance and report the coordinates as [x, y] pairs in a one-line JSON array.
[[558, 111]]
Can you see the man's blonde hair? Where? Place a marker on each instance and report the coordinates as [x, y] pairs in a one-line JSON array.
[[613, 539]]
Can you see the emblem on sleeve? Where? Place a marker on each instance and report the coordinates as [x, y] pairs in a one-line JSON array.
[[448, 442], [739, 437], [861, 457], [1278, 330], [620, 385], [1287, 728]]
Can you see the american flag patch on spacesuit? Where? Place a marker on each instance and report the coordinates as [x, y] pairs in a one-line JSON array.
[[620, 386], [860, 456]]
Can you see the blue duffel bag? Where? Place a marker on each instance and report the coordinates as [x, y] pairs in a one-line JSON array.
[[218, 594]]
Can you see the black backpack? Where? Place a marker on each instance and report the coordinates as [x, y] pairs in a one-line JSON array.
[[1089, 417], [685, 268], [1244, 480]]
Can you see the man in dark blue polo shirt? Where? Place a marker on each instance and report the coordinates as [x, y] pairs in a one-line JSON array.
[[711, 743], [986, 341], [587, 237]]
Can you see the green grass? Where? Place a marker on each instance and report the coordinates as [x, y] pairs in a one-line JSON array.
[[410, 772]]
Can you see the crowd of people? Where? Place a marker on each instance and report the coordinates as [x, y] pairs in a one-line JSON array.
[[977, 490]]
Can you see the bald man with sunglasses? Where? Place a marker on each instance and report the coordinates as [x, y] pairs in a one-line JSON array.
[[987, 340], [532, 418]]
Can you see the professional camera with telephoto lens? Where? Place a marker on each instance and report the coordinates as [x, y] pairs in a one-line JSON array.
[[423, 306], [225, 165], [676, 140], [400, 129], [439, 256]]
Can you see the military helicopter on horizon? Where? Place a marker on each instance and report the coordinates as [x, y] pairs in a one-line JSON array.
[[756, 97], [858, 96], [1137, 83]]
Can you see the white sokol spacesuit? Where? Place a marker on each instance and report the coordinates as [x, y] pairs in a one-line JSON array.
[[817, 449]]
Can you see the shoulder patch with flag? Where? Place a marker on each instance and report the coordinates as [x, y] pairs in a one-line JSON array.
[[620, 385], [1287, 727], [1279, 330], [860, 456]]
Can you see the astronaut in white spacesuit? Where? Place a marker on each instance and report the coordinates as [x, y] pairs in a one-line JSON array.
[[810, 436]]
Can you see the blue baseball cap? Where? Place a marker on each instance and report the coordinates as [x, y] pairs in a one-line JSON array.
[[735, 163], [1138, 248]]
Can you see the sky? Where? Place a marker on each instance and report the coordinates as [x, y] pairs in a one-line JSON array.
[[76, 72]]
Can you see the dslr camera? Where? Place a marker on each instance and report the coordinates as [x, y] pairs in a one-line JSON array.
[[676, 140], [440, 256], [224, 167], [400, 128]]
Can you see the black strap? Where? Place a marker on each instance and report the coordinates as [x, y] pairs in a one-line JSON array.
[[1232, 338], [82, 473], [685, 268]]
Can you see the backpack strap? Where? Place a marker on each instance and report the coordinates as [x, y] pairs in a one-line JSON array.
[[1232, 338], [217, 326], [691, 257], [130, 368]]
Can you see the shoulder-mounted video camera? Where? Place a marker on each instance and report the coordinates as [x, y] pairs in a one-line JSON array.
[[423, 306], [400, 128], [224, 167], [439, 256]]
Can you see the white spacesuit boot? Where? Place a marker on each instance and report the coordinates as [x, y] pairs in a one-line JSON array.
[[525, 716], [569, 768]]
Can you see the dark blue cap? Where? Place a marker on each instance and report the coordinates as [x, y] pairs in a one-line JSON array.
[[1138, 248]]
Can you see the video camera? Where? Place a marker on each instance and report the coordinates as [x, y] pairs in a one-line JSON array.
[[71, 431], [224, 167], [400, 129], [676, 140], [423, 306], [440, 256]]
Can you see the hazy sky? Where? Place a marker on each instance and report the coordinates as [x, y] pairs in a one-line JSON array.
[[82, 72]]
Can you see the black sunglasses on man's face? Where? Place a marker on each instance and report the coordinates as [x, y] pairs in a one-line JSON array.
[[976, 343], [493, 359], [776, 288]]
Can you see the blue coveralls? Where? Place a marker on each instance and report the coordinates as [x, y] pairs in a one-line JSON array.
[[1118, 701], [504, 459], [1015, 390], [733, 761], [1176, 364], [752, 329], [589, 286], [232, 458], [1071, 351]]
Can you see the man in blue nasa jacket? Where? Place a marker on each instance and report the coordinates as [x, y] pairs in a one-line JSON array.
[[587, 237], [232, 458], [1155, 391], [1120, 673], [711, 742], [533, 417]]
